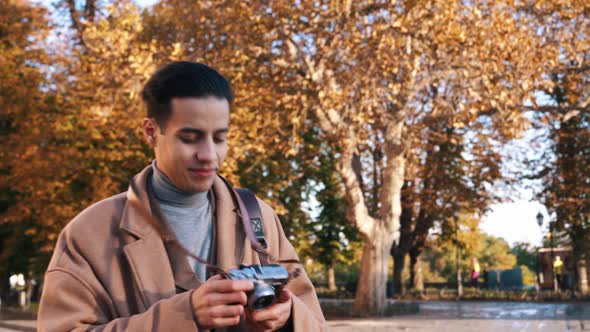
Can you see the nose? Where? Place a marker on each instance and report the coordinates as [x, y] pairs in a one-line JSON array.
[[206, 151]]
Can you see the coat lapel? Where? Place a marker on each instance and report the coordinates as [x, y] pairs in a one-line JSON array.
[[146, 252], [230, 237], [184, 276], [158, 267]]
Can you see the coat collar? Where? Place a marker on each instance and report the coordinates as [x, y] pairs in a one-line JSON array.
[[157, 236]]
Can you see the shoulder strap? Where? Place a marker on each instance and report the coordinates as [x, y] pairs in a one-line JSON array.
[[254, 213], [251, 217]]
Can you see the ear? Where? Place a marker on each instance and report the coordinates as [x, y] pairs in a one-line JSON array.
[[150, 131]]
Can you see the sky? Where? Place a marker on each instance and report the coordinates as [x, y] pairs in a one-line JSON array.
[[516, 222]]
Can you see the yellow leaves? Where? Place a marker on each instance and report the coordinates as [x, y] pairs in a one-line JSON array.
[[177, 51], [290, 153], [458, 125]]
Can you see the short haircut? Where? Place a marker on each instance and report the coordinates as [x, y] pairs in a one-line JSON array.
[[182, 79]]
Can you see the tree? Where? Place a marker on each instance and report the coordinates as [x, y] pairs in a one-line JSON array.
[[547, 19], [86, 144], [525, 255], [363, 70], [453, 175], [23, 27], [563, 113]]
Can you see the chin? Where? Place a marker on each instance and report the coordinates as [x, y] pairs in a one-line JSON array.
[[202, 186]]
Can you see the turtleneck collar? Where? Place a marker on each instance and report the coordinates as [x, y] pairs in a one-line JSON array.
[[166, 192]]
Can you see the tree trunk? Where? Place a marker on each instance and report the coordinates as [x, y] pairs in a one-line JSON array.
[[458, 268], [28, 291], [400, 250], [331, 278], [377, 233], [398, 273], [4, 285], [417, 278], [370, 296]]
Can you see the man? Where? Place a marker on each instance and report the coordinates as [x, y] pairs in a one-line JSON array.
[[475, 272], [116, 269]]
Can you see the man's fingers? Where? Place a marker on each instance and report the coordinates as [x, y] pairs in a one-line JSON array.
[[225, 321], [225, 311], [271, 313], [227, 298], [230, 286]]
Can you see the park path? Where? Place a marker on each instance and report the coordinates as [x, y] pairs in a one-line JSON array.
[[468, 316], [440, 316]]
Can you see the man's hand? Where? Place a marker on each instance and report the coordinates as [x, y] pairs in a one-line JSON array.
[[219, 302], [273, 317]]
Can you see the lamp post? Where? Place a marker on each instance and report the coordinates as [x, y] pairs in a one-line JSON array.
[[540, 223]]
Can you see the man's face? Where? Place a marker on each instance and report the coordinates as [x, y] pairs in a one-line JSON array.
[[193, 144]]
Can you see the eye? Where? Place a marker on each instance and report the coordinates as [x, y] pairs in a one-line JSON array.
[[188, 138], [219, 139]]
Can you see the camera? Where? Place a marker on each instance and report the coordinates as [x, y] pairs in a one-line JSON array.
[[268, 281]]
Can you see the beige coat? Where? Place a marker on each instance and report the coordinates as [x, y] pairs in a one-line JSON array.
[[112, 271]]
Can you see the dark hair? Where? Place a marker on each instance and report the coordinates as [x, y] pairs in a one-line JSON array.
[[182, 79]]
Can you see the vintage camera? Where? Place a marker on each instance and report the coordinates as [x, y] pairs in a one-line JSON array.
[[268, 281]]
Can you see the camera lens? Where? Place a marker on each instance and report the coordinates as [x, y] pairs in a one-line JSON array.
[[263, 302], [262, 296]]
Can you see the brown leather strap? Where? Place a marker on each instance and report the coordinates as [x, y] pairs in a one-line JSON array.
[[157, 224], [255, 215]]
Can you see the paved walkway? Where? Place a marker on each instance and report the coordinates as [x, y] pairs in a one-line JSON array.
[[457, 325], [452, 316], [441, 316]]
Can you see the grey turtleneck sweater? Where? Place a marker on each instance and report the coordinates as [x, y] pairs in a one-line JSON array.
[[189, 215]]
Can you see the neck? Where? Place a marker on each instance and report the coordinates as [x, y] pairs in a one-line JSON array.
[[166, 192]]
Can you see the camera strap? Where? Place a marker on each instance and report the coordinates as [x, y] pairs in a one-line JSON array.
[[251, 216], [254, 213], [263, 254]]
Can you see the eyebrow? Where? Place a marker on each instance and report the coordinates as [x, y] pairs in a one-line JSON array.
[[189, 130]]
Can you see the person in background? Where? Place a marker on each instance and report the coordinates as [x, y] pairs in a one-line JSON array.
[[558, 270], [475, 270]]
